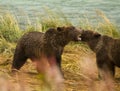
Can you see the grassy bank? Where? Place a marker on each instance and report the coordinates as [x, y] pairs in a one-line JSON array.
[[10, 30], [74, 53]]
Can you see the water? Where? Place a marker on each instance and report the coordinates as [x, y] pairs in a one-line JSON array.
[[73, 9]]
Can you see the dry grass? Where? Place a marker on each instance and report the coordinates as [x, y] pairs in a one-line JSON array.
[[79, 68], [78, 63]]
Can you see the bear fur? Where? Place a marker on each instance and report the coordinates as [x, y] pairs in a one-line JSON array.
[[107, 51], [37, 45]]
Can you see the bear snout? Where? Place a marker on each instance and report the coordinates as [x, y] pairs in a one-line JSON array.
[[79, 37]]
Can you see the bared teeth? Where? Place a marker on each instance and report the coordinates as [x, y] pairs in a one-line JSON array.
[[79, 38]]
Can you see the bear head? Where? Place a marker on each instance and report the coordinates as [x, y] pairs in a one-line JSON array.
[[63, 35], [88, 35]]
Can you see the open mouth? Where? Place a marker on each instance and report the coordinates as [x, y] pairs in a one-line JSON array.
[[79, 37]]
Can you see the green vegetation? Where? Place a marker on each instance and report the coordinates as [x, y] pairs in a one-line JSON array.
[[10, 32]]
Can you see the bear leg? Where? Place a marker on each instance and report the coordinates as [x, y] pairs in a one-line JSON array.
[[106, 69], [18, 60], [58, 58]]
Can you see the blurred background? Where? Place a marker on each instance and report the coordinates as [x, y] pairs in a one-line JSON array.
[[74, 10]]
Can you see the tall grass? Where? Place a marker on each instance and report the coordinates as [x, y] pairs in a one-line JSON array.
[[106, 26], [10, 32], [102, 25], [53, 19], [9, 28]]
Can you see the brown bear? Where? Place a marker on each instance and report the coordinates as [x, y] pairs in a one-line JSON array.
[[107, 51], [44, 46]]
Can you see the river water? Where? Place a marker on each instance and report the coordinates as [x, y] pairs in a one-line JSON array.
[[73, 9]]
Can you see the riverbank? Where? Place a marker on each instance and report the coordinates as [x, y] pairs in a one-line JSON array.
[[10, 30], [78, 62]]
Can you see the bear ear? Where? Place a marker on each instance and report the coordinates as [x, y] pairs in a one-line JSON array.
[[82, 30], [97, 35], [60, 29]]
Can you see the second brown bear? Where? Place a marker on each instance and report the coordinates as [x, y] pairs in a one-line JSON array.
[[107, 51]]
